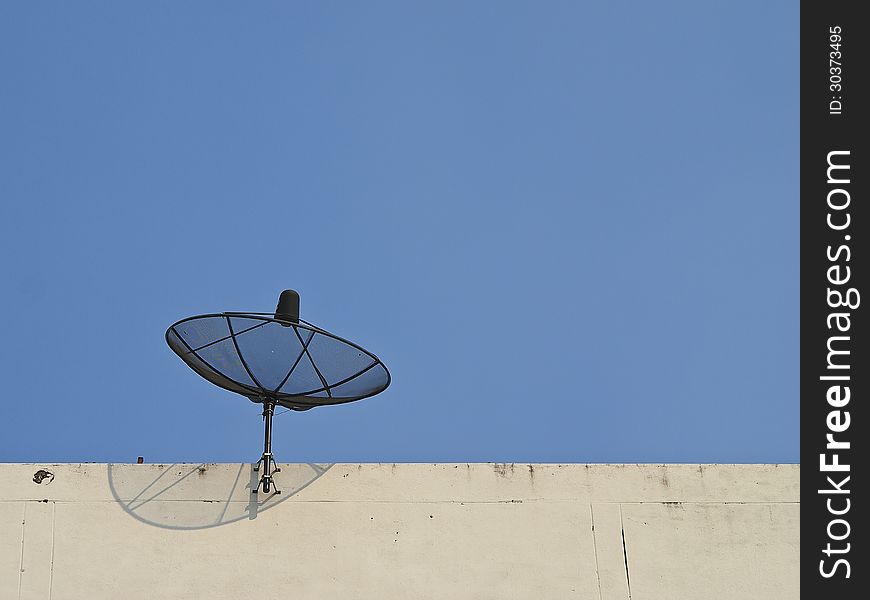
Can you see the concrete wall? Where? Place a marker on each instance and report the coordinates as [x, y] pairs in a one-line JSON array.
[[380, 531]]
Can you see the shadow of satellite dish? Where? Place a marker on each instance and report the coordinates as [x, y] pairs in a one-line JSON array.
[[200, 496]]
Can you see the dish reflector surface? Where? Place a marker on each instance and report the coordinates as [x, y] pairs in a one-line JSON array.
[[295, 364]]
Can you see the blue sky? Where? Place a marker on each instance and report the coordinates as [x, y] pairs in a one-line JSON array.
[[570, 229]]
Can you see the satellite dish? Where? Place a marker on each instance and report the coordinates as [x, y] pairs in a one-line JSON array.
[[277, 359]]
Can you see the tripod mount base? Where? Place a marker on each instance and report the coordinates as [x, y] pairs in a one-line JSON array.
[[267, 461]]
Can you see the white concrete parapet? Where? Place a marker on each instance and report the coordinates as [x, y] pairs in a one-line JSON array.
[[387, 531]]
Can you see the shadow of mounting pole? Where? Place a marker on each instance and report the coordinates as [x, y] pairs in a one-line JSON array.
[[267, 460]]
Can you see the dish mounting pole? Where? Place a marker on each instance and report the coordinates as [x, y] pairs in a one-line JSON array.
[[267, 461]]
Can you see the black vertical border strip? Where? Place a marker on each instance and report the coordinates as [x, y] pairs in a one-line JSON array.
[[822, 133]]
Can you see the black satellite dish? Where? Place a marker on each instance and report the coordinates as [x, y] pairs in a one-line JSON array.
[[277, 359]]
